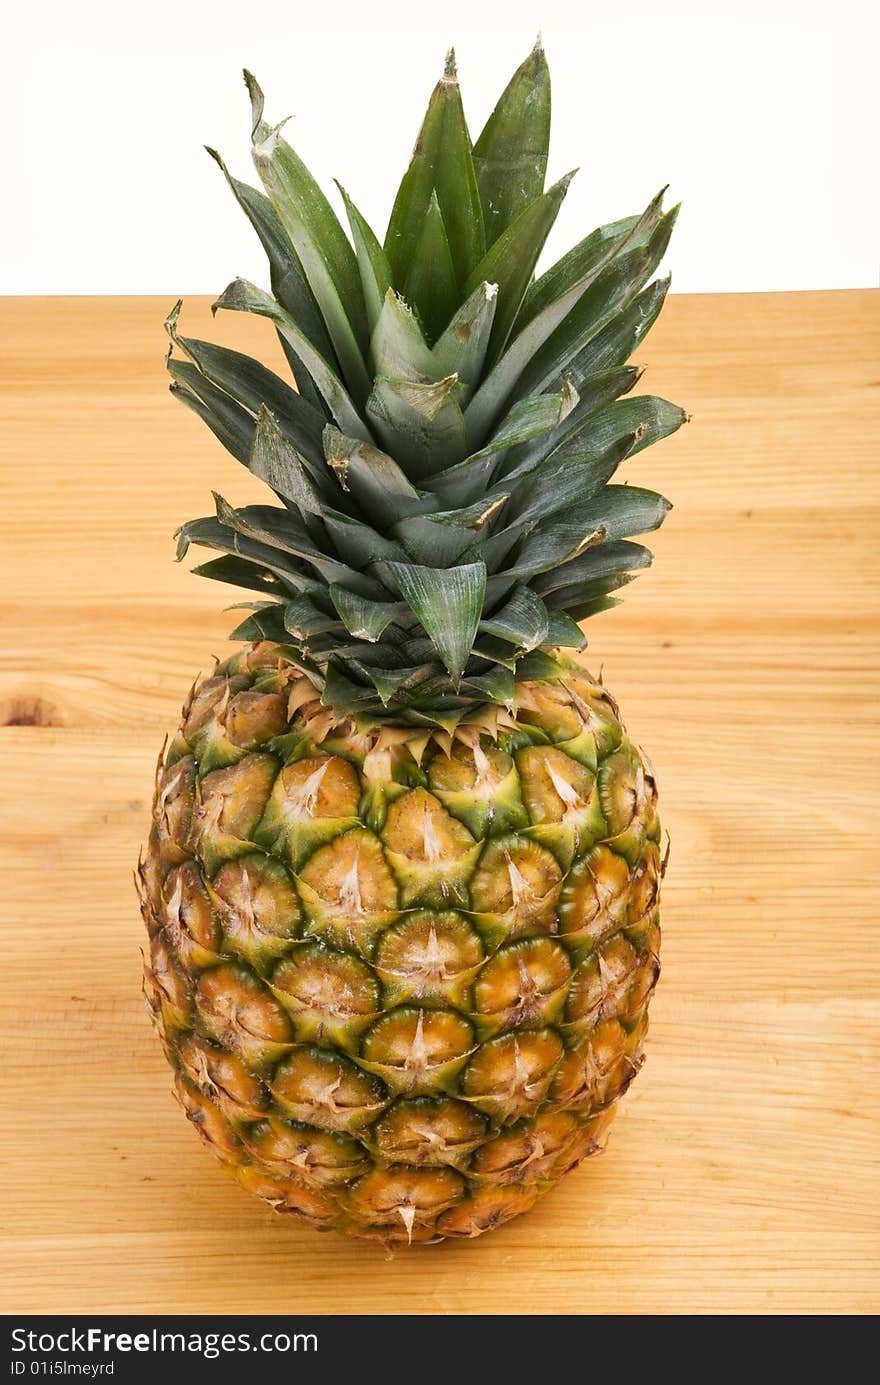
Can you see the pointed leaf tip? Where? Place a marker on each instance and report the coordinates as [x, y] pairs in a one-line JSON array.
[[276, 461], [171, 320], [442, 161], [450, 68], [325, 254], [510, 155], [257, 100]]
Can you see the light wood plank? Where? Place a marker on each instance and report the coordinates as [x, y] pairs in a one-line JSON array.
[[742, 1174]]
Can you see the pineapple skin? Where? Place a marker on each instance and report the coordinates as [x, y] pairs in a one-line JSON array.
[[402, 976]]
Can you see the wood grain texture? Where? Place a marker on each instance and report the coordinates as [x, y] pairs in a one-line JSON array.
[[742, 1175]]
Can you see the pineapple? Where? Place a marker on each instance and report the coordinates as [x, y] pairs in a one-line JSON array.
[[401, 886]]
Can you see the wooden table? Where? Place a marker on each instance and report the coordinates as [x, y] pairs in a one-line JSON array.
[[743, 1172]]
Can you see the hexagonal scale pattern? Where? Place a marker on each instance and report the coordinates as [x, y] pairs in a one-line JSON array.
[[402, 977]]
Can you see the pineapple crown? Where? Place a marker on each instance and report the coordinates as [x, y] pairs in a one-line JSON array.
[[442, 468]]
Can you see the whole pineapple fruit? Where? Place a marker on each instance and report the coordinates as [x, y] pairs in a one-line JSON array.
[[402, 881]]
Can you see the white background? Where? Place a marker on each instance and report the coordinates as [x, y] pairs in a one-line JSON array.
[[762, 117]]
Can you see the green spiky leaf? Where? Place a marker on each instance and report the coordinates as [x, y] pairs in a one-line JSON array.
[[365, 619], [461, 350], [250, 384], [443, 164], [240, 296], [590, 256], [398, 349], [323, 250], [289, 283], [608, 560], [421, 424], [510, 263], [443, 513], [510, 156], [228, 421], [522, 620], [448, 603], [277, 462], [375, 480], [372, 261], [430, 283]]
